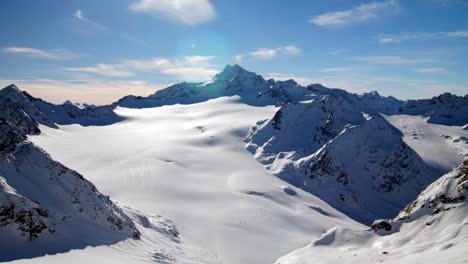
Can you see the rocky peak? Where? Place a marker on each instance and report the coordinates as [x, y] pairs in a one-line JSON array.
[[231, 72], [12, 92]]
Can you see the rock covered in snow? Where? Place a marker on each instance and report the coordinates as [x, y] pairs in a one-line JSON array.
[[383, 104], [17, 118], [431, 229], [52, 196], [445, 109], [340, 150], [40, 199]]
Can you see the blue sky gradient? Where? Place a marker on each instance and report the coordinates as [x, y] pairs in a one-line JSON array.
[[96, 51]]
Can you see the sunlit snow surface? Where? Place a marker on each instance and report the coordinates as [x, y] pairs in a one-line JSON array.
[[188, 164], [424, 236], [443, 147]]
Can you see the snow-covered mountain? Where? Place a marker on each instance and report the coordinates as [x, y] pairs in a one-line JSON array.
[[324, 157], [188, 163], [445, 109], [339, 149], [431, 229], [42, 200], [69, 113], [252, 89]]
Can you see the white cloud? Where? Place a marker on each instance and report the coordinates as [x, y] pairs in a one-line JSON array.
[[188, 68], [422, 36], [187, 12], [264, 53], [360, 13], [238, 58], [104, 70], [57, 54], [335, 52], [390, 59], [268, 53], [429, 70], [191, 73], [199, 59], [80, 16], [337, 69], [290, 49]]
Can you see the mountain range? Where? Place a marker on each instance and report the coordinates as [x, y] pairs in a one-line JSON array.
[[246, 156]]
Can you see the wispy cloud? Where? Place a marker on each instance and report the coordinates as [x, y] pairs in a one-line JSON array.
[[268, 53], [422, 36], [337, 69], [336, 52], [429, 70], [356, 14], [390, 59], [187, 12], [80, 16], [104, 70], [56, 54], [190, 68]]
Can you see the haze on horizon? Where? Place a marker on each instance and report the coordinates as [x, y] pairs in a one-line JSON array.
[[98, 52]]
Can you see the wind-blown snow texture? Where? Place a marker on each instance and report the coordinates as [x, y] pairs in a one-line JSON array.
[[183, 156], [431, 229]]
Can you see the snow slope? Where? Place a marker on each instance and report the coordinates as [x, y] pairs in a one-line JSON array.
[[188, 163], [339, 149], [432, 229], [442, 147]]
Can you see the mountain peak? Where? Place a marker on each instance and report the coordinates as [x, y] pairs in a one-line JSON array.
[[231, 71], [11, 88], [12, 92], [372, 93]]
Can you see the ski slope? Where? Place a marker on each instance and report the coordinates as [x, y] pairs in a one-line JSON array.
[[188, 164]]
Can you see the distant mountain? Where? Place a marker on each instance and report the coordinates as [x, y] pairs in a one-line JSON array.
[[252, 89], [69, 113], [445, 109], [40, 199], [431, 229], [338, 148]]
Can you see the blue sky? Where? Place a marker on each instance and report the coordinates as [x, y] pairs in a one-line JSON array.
[[97, 51]]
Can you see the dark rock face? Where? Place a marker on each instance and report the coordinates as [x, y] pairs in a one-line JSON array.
[[15, 118], [30, 222], [381, 225]]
